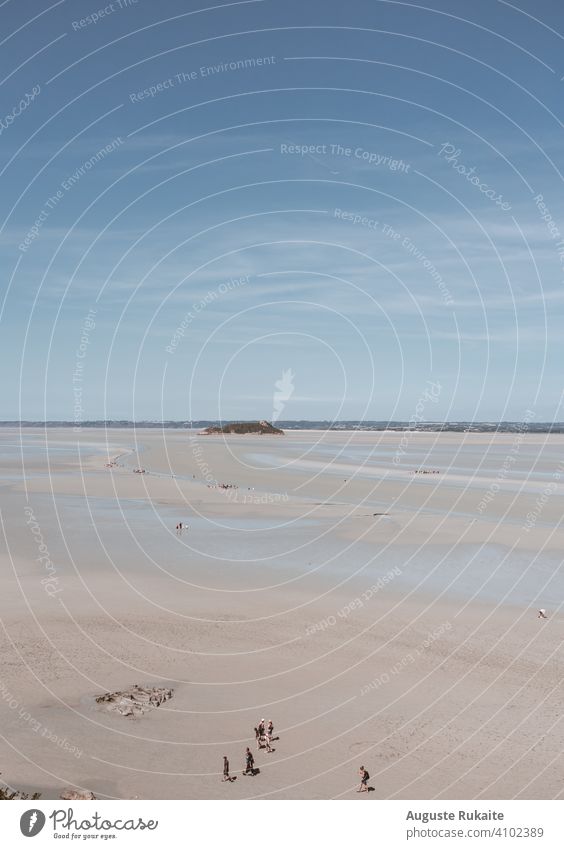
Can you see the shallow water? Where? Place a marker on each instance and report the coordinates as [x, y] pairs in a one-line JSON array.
[[140, 536]]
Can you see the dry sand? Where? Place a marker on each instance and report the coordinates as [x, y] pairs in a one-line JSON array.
[[377, 616]]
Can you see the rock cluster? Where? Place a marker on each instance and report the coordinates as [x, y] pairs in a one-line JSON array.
[[72, 795], [136, 700]]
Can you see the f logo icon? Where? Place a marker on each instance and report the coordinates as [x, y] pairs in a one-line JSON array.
[[32, 822]]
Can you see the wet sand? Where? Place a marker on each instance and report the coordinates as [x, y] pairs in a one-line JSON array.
[[376, 615]]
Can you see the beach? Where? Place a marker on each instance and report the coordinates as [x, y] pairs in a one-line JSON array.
[[375, 594]]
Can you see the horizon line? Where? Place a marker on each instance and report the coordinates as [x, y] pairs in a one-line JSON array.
[[198, 422]]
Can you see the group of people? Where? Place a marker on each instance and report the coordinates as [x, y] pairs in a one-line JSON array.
[[264, 736], [426, 471], [180, 527]]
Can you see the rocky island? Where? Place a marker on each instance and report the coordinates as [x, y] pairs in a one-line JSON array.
[[262, 427]]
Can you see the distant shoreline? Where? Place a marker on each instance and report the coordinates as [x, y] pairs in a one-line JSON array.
[[339, 426]]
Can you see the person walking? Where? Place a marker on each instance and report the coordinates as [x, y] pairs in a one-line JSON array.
[[249, 762], [226, 776], [364, 776]]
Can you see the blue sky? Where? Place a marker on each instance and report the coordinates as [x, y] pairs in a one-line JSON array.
[[204, 198]]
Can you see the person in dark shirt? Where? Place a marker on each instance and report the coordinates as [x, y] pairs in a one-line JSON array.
[[250, 762]]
